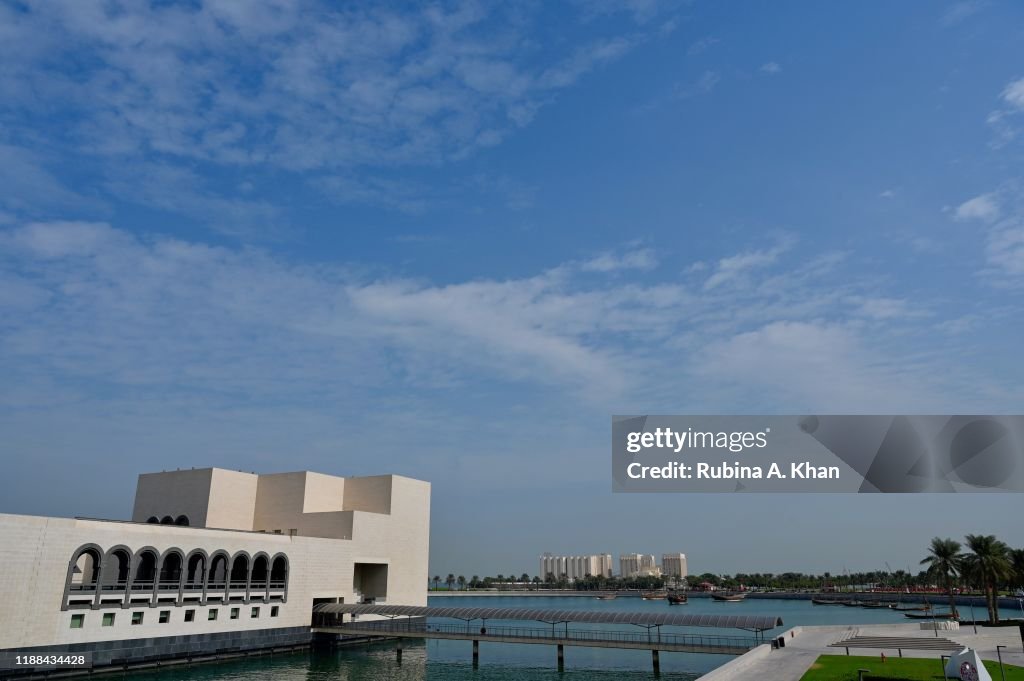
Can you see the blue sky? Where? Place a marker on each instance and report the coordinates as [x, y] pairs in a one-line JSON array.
[[450, 241]]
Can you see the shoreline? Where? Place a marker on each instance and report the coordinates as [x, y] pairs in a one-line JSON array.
[[886, 597]]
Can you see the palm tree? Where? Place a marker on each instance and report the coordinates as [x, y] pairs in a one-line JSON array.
[[462, 582], [1017, 561], [946, 561], [449, 581], [474, 582], [437, 580], [989, 561]]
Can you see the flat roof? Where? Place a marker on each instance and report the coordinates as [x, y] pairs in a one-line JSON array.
[[644, 619]]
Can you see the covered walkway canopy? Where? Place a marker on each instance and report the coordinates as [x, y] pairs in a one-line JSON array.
[[757, 623]]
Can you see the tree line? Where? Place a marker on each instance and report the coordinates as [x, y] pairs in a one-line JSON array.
[[983, 563]]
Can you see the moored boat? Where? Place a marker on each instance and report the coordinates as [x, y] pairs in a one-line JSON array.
[[827, 601], [729, 598], [676, 599], [653, 595], [606, 597], [929, 616]]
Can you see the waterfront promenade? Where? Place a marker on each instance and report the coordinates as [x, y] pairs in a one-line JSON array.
[[805, 644]]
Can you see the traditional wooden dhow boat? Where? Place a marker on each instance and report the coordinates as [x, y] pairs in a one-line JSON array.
[[729, 598], [676, 599]]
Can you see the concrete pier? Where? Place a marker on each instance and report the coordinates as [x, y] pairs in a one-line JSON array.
[[805, 644]]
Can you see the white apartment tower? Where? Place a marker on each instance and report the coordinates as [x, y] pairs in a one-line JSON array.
[[575, 567], [634, 564], [673, 565]]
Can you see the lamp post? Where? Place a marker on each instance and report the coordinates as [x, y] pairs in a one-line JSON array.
[[999, 654]]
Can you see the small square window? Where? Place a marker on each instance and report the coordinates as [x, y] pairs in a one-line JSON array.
[[212, 615], [234, 613], [108, 619], [165, 616], [255, 613], [190, 615], [273, 611], [137, 617], [77, 621]]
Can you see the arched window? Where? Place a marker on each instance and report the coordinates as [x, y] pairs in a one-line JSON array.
[[167, 520], [86, 570], [153, 520], [195, 571], [279, 573], [240, 571], [260, 573], [145, 569], [218, 571], [181, 520], [170, 570], [116, 568]]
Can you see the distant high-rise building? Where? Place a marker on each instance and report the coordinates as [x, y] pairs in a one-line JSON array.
[[575, 567], [633, 564], [673, 565]]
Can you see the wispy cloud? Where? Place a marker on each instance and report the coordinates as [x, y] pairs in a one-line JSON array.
[[320, 91], [983, 207], [959, 12], [701, 45], [1005, 121], [642, 259], [1002, 214], [735, 267], [771, 68]]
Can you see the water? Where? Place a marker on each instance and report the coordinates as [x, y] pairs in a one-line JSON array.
[[436, 660]]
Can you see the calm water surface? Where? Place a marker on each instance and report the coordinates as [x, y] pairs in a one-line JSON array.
[[451, 660]]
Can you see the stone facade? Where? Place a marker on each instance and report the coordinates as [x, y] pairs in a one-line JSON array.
[[259, 550]]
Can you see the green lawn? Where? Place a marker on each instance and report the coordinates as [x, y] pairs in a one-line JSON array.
[[843, 668]]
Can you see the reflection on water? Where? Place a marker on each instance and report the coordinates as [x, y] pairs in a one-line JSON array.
[[378, 663], [451, 660]]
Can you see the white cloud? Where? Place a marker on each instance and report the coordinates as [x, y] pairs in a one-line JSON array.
[[292, 87], [1004, 122], [1005, 248], [822, 367], [642, 259], [188, 326], [1013, 94], [983, 207], [881, 308], [733, 268], [771, 68], [1002, 212]]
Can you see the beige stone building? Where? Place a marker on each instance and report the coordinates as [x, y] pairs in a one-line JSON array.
[[212, 560], [674, 565], [638, 565], [575, 567]]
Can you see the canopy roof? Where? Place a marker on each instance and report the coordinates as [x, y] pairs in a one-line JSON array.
[[644, 619]]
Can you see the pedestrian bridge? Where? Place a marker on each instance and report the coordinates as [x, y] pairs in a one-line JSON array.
[[416, 622]]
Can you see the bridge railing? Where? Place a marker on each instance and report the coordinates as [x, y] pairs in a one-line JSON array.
[[557, 633]]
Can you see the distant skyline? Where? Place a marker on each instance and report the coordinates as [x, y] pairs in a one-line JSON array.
[[451, 242]]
